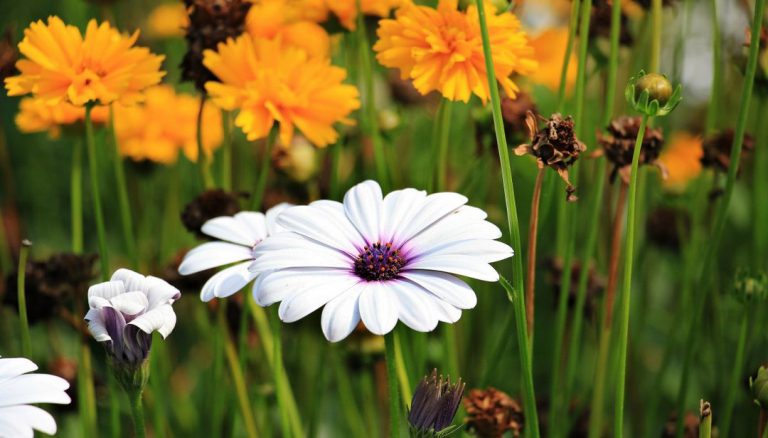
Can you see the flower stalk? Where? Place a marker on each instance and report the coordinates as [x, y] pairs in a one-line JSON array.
[[392, 385], [202, 158], [443, 137], [76, 197], [26, 342], [533, 227], [122, 195], [705, 420], [734, 388], [572, 28], [261, 182], [137, 412], [96, 193]]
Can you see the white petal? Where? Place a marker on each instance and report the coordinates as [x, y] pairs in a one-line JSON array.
[[444, 286], [279, 285], [271, 219], [234, 281], [130, 303], [33, 388], [444, 311], [106, 290], [414, 306], [399, 209], [15, 366], [234, 229], [317, 224], [362, 205], [456, 264], [378, 308], [162, 319], [96, 325], [341, 315], [213, 254], [160, 292], [288, 250], [210, 287], [19, 421], [464, 224], [434, 207], [301, 303], [488, 251], [133, 280]]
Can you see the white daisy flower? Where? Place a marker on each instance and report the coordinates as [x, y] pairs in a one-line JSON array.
[[18, 389], [239, 235], [126, 310], [378, 259]]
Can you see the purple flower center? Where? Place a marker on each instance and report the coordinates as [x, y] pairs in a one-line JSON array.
[[379, 262]]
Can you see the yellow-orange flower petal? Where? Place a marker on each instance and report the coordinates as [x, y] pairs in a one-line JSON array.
[[682, 160], [36, 115], [273, 19], [441, 49], [62, 65], [165, 124], [549, 51], [168, 20], [270, 82], [346, 10]]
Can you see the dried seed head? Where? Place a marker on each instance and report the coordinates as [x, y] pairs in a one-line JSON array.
[[619, 145], [717, 150], [690, 426], [208, 205], [8, 55], [491, 413], [210, 22], [515, 111], [434, 404], [555, 146], [600, 23]]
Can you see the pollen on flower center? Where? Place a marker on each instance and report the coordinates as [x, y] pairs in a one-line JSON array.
[[379, 262]]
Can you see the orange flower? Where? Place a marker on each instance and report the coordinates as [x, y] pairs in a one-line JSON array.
[[35, 115], [63, 66], [164, 124], [441, 49], [277, 19], [549, 51], [168, 20], [682, 159], [346, 10], [270, 82]]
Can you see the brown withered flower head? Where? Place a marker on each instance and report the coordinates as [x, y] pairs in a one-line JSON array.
[[595, 284], [8, 55], [555, 146], [690, 426], [492, 413], [619, 145], [717, 150], [208, 205], [210, 22], [53, 285], [600, 23]]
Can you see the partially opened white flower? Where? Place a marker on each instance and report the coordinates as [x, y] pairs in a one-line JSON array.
[[126, 310], [378, 259], [239, 235], [18, 389]]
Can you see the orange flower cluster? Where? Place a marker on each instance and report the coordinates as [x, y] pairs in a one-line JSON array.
[[36, 115]]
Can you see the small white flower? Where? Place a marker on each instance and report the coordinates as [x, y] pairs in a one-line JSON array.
[[18, 389], [127, 309], [240, 234], [378, 259]]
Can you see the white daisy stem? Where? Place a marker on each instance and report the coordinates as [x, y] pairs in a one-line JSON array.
[[529, 397], [721, 212], [93, 169], [122, 194], [261, 181], [202, 158], [76, 197], [572, 27], [85, 390], [137, 412], [277, 369], [395, 410], [26, 342], [240, 386], [442, 143]]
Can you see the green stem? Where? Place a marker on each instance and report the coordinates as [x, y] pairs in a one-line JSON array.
[[240, 385], [443, 137], [26, 340], [261, 182], [394, 397], [226, 152], [122, 195], [705, 422], [722, 210], [402, 371], [656, 16], [218, 400], [627, 285], [760, 184], [276, 370], [76, 197], [137, 412], [581, 73], [202, 158], [336, 151], [572, 27], [96, 194], [713, 109], [734, 386], [114, 407], [86, 392], [613, 67], [513, 223]]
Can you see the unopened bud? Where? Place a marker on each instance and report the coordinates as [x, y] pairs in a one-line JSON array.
[[658, 86]]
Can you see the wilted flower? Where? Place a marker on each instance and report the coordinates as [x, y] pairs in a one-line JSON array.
[[210, 22], [208, 205], [36, 115], [441, 49], [555, 146], [434, 405], [62, 65], [298, 160], [270, 83], [682, 160], [125, 311], [492, 413], [549, 48], [168, 20], [378, 259], [717, 150], [241, 235], [619, 145], [278, 19], [8, 55], [17, 417]]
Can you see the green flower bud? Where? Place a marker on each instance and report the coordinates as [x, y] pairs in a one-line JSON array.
[[652, 94], [759, 387], [658, 86], [131, 376]]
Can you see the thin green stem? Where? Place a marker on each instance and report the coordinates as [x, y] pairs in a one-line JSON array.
[[276, 370], [394, 396], [581, 74], [202, 157], [443, 137], [226, 152], [713, 110], [114, 407], [760, 184], [529, 397], [76, 197], [137, 412], [402, 371], [122, 195], [93, 169], [26, 340], [613, 68], [572, 28], [705, 421], [85, 391], [261, 182], [336, 151], [734, 386], [238, 380], [656, 17], [627, 285], [218, 401], [722, 210]]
